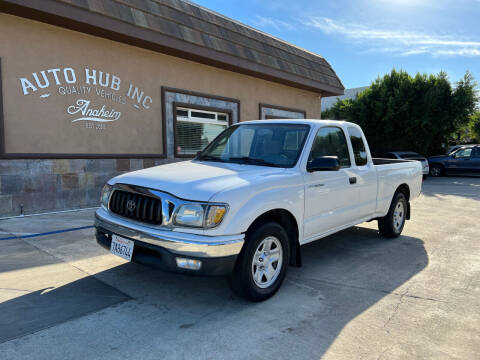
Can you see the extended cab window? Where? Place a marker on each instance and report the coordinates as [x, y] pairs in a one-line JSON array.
[[358, 146], [331, 141]]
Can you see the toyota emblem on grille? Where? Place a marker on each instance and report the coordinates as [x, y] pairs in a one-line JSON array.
[[130, 205]]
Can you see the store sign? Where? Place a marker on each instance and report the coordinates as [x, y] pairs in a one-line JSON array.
[[96, 96]]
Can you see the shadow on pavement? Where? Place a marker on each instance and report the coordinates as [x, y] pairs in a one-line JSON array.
[[46, 307], [24, 268], [342, 276], [468, 187]]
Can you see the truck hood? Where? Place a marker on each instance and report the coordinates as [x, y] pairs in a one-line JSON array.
[[196, 180]]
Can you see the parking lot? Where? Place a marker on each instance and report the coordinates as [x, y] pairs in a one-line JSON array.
[[356, 296]]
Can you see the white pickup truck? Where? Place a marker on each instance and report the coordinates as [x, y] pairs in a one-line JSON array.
[[251, 198]]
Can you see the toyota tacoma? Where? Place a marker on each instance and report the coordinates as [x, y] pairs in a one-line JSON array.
[[245, 205]]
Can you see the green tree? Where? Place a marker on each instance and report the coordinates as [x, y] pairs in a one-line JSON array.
[[401, 112], [474, 127], [469, 133]]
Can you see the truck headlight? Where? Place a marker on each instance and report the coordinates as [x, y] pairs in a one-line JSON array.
[[190, 215], [106, 192], [199, 215]]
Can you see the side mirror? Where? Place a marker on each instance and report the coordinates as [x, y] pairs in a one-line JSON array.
[[324, 163]]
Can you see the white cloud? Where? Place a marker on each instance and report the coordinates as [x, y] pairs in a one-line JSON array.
[[268, 22], [397, 41]]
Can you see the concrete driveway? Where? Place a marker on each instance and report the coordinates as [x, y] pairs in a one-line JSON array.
[[356, 296]]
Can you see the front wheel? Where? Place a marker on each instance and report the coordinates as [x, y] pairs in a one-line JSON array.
[[262, 264], [391, 225], [436, 170]]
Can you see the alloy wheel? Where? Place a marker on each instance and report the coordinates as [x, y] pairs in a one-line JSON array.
[[436, 171], [399, 216], [267, 262]]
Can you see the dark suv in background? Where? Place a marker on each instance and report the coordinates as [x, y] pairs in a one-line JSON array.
[[463, 161]]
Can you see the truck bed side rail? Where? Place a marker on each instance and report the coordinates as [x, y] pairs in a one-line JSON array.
[[383, 161]]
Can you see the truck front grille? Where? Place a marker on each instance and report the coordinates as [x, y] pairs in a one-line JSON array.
[[136, 206]]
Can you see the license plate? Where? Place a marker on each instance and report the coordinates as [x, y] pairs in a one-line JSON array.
[[122, 247]]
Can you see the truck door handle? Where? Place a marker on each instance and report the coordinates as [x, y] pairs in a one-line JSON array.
[[353, 180], [316, 185]]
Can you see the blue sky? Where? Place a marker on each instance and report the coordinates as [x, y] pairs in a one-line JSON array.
[[364, 39]]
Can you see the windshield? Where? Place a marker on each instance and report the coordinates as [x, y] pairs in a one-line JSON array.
[[455, 150], [277, 145]]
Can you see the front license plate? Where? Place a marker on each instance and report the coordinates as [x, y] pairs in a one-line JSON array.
[[122, 247]]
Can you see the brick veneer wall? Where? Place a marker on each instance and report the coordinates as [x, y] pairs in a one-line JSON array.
[[59, 184]]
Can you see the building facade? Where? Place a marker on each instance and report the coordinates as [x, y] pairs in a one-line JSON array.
[[91, 89]]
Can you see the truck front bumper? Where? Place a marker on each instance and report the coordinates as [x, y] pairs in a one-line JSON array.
[[161, 248]]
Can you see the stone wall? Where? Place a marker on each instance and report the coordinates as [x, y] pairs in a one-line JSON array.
[[59, 184]]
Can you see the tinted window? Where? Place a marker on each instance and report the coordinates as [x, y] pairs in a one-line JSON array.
[[462, 153], [182, 113], [358, 146], [272, 117], [389, 156], [476, 152], [203, 115], [454, 148], [331, 141]]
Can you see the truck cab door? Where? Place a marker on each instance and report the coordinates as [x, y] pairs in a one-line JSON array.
[[329, 195]]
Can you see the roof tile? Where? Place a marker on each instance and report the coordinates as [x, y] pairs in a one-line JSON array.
[[194, 24]]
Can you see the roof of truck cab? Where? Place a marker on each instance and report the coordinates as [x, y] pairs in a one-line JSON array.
[[314, 122]]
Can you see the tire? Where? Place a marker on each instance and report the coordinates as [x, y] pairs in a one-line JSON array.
[[249, 280], [391, 225], [436, 170]]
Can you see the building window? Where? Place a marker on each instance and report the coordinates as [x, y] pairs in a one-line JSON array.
[[271, 117], [199, 116], [195, 129], [267, 112]]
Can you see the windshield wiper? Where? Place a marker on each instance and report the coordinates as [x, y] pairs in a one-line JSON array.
[[209, 158], [254, 161]]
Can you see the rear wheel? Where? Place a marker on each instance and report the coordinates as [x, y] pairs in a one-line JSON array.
[[262, 264], [436, 170], [391, 225]]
